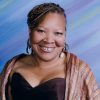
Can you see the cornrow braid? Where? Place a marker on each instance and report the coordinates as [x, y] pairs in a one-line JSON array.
[[36, 14]]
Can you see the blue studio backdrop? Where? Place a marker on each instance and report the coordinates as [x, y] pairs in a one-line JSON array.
[[83, 29]]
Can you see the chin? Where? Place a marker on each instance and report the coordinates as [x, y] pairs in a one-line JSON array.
[[48, 58]]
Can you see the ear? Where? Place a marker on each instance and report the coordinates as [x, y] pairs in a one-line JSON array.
[[29, 40], [29, 43]]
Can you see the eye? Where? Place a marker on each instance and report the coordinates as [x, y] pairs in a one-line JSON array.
[[40, 30], [59, 33]]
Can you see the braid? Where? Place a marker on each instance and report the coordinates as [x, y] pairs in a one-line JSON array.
[[36, 14]]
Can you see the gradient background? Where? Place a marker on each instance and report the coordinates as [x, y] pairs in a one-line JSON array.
[[83, 33]]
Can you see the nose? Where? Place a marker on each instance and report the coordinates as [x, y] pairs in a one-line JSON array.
[[49, 38]]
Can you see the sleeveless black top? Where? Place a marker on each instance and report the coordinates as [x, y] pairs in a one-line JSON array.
[[53, 89]]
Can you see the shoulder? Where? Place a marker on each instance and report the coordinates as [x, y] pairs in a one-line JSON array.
[[75, 60], [85, 76], [11, 62], [77, 64]]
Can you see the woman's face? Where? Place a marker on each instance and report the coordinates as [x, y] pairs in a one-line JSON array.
[[47, 40]]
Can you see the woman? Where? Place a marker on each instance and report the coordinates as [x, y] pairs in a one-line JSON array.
[[49, 72]]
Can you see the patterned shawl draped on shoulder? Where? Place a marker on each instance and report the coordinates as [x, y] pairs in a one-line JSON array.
[[5, 74], [80, 81]]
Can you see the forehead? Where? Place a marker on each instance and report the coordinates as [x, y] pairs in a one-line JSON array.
[[53, 19]]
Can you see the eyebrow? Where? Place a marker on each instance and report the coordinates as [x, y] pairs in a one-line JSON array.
[[45, 28]]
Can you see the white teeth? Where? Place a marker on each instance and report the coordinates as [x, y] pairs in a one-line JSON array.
[[47, 49]]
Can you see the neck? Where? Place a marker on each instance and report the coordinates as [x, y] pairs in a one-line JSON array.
[[47, 64]]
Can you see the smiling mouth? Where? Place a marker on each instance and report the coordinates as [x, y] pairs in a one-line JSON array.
[[47, 49]]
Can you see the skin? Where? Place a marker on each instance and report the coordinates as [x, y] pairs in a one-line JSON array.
[[47, 42]]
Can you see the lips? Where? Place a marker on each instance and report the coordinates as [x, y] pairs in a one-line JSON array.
[[47, 49]]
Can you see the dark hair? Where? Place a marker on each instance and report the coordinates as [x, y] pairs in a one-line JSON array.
[[38, 12]]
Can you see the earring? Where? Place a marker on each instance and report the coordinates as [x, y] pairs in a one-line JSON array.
[[61, 55], [66, 47], [28, 46]]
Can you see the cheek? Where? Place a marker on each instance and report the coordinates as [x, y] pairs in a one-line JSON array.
[[60, 43], [35, 38]]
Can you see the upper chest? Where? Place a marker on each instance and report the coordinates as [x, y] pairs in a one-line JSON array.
[[36, 76]]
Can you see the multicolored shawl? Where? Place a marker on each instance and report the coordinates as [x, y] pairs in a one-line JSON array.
[[80, 81]]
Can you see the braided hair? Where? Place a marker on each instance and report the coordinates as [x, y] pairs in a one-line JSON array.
[[38, 12]]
